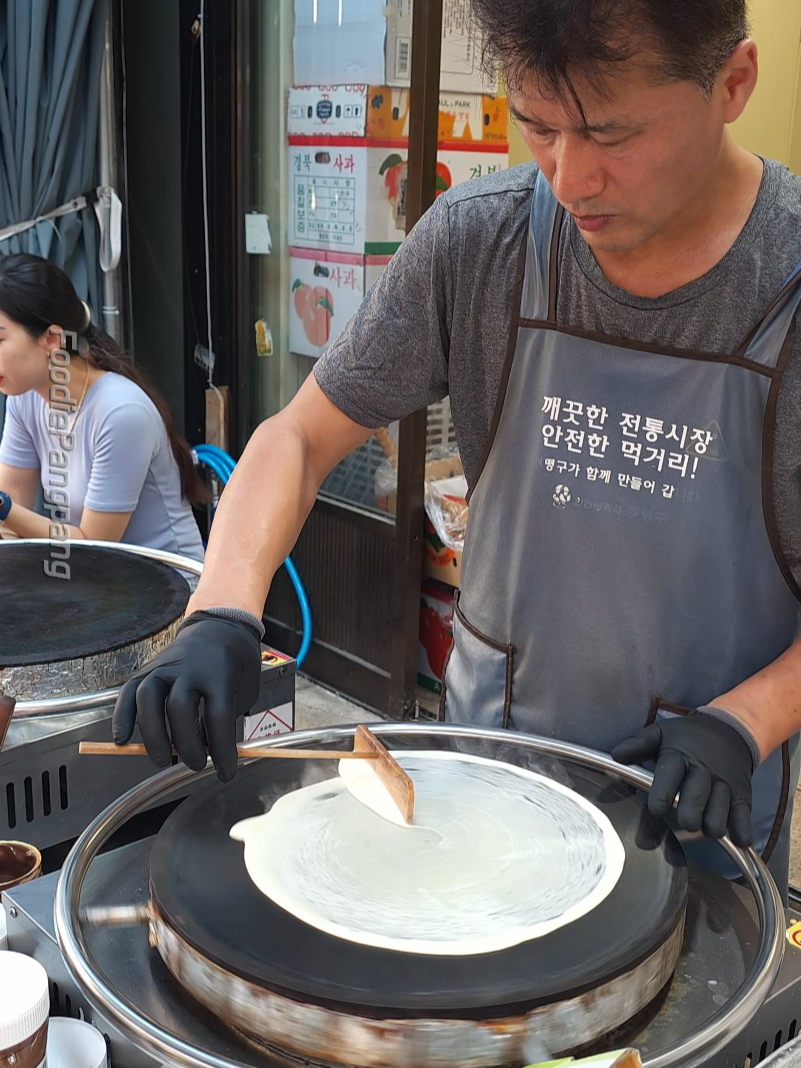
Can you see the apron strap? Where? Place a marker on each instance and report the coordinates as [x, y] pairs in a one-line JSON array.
[[777, 319], [540, 285]]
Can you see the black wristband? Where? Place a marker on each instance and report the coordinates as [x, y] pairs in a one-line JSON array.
[[738, 726], [5, 506], [232, 615]]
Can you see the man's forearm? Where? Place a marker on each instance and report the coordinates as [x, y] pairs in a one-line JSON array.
[[260, 515], [769, 703]]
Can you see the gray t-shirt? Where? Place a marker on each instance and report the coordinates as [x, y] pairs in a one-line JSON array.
[[121, 462], [437, 321]]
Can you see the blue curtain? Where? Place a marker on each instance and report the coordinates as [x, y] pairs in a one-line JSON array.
[[51, 60]]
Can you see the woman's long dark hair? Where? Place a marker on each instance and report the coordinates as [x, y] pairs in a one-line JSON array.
[[36, 294]]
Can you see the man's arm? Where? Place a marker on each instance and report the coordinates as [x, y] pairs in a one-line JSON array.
[[269, 497], [769, 703], [389, 360], [708, 758], [215, 655]]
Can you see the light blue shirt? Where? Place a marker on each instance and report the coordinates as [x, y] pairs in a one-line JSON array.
[[121, 462]]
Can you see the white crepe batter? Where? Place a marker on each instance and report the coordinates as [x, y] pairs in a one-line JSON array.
[[497, 856]]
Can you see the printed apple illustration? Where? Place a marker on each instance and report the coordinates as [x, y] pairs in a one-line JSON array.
[[300, 291], [444, 179], [314, 307], [394, 170], [323, 303], [435, 637]]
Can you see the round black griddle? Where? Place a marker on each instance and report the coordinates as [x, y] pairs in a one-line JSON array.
[[201, 887], [111, 599]]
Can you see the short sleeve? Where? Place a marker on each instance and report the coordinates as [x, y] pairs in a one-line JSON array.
[[392, 357], [17, 448], [122, 451]]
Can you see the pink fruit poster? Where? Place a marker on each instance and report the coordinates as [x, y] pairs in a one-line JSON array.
[[326, 289]]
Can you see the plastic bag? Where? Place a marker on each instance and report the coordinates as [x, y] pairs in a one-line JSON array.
[[446, 507], [445, 493]]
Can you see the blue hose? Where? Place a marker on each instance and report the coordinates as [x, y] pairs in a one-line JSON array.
[[218, 461], [220, 458]]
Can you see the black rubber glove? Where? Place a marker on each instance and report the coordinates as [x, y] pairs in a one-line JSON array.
[[708, 761], [213, 660]]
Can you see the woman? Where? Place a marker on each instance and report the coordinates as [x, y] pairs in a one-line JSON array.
[[82, 421]]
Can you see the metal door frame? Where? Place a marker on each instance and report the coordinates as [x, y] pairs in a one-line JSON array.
[[367, 621]]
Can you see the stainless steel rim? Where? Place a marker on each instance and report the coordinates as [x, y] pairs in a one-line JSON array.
[[100, 699], [696, 1048]]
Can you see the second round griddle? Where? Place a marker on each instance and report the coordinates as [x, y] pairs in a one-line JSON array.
[[200, 886], [111, 599]]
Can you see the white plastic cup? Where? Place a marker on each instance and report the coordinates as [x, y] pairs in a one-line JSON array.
[[24, 1009], [75, 1044]]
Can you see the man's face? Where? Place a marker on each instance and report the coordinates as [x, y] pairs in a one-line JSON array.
[[638, 171]]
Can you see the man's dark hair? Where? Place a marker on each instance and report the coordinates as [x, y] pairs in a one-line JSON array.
[[552, 39]]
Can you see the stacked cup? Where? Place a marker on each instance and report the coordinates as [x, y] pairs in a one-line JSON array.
[[19, 863], [24, 1008]]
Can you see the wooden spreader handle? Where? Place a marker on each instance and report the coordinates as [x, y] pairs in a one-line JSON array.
[[6, 712], [392, 776], [136, 749]]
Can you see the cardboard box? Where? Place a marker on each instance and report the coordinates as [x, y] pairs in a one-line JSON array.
[[349, 194], [436, 633], [326, 289], [339, 42], [463, 117], [327, 110], [329, 203], [439, 561], [374, 267], [462, 47], [381, 112], [343, 42]]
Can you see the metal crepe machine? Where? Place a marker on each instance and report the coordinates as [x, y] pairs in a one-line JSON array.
[[676, 962], [68, 639]]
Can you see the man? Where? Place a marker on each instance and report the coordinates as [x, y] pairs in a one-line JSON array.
[[615, 325]]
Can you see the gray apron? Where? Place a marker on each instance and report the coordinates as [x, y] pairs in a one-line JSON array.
[[622, 560]]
